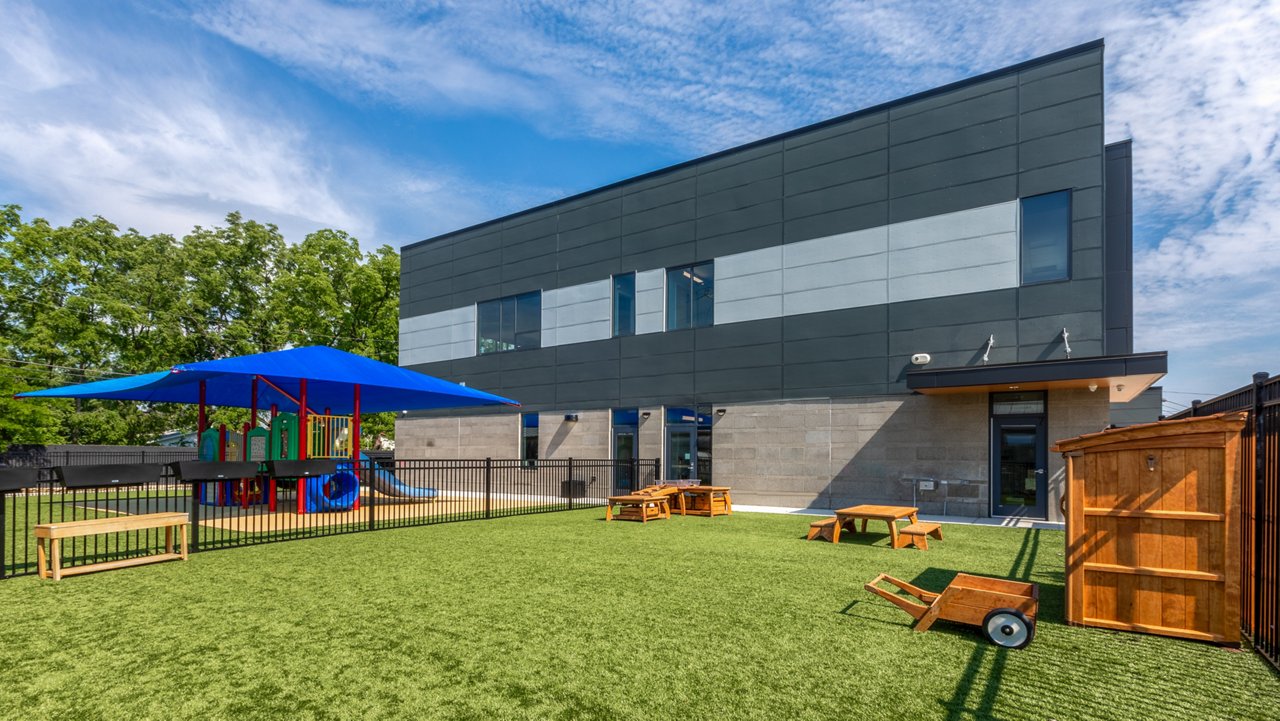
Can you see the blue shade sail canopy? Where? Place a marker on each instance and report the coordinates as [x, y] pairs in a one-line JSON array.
[[331, 377]]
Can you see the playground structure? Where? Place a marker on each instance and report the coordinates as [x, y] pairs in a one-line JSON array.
[[328, 436], [300, 380]]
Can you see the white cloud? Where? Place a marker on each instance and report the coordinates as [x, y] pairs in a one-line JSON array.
[[1196, 84], [159, 151]]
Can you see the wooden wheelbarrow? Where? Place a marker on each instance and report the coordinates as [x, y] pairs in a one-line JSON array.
[[1004, 610]]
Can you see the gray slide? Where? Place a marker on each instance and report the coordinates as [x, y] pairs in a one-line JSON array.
[[386, 483]]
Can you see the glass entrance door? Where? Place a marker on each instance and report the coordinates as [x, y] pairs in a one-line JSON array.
[[682, 452], [689, 444], [625, 457], [1019, 473]]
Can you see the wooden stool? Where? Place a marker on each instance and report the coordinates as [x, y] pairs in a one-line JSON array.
[[916, 534], [824, 529]]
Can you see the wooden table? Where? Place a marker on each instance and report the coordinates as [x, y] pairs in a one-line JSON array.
[[845, 518], [637, 507], [705, 501]]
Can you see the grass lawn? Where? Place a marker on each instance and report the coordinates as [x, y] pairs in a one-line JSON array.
[[734, 617]]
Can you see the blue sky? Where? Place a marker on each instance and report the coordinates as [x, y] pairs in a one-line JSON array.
[[400, 120]]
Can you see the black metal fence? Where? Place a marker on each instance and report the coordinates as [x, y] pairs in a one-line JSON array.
[[51, 456], [1259, 506], [373, 495]]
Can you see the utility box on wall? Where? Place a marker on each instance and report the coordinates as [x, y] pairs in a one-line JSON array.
[[1153, 528]]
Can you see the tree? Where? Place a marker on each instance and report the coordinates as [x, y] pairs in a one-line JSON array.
[[86, 301]]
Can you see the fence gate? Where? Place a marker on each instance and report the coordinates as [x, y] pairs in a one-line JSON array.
[[1153, 528]]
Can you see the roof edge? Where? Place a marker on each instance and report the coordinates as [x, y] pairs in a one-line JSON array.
[[1018, 67]]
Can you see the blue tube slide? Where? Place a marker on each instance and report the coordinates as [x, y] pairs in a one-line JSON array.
[[343, 490]]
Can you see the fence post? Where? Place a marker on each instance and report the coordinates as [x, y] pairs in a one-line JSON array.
[[1259, 495], [488, 484], [195, 516], [4, 531], [569, 484], [657, 470], [370, 468]]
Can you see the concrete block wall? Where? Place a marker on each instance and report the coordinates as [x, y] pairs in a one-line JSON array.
[[466, 437], [841, 452], [587, 437]]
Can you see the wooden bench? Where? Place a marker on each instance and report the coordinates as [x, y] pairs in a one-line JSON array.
[[53, 533], [824, 529], [637, 507], [915, 534]]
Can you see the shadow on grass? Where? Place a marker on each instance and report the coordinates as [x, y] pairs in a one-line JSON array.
[[974, 699], [975, 693]]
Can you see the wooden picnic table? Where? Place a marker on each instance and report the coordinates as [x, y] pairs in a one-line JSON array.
[[705, 501], [846, 517], [637, 507]]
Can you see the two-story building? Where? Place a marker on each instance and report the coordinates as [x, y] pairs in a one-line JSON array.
[[906, 303]]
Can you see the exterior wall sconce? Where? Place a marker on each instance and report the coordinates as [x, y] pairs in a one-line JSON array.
[[720, 412], [571, 417], [645, 415]]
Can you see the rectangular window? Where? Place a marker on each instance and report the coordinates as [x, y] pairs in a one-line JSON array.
[[691, 296], [1026, 403], [624, 304], [511, 323], [529, 438], [1046, 237]]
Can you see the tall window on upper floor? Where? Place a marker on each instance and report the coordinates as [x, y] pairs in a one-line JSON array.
[[511, 323], [624, 304], [691, 296], [1046, 237]]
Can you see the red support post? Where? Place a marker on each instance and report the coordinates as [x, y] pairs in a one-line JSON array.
[[253, 404], [244, 456], [355, 439], [302, 443], [222, 456], [271, 490], [302, 420]]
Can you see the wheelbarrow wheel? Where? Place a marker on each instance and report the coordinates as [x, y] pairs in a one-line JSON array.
[[1008, 628]]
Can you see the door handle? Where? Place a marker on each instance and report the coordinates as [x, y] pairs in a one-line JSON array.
[[1040, 471]]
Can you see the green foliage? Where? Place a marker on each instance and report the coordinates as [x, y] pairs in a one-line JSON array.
[[87, 301]]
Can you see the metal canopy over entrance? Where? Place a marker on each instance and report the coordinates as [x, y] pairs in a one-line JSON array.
[[1123, 377]]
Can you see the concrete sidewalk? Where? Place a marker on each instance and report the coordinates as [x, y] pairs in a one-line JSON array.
[[975, 521]]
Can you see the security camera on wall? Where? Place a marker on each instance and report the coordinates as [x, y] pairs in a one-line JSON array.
[[920, 359]]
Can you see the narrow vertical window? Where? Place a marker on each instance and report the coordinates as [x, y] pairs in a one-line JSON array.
[[529, 438], [1046, 237], [691, 296], [624, 304]]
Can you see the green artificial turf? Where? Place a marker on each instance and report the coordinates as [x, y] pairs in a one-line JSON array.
[[564, 616]]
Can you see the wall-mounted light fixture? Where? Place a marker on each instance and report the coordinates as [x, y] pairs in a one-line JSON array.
[[720, 412], [645, 415], [571, 417], [1093, 386]]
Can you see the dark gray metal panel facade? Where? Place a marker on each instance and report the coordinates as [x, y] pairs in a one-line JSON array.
[[1118, 262], [1030, 130]]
